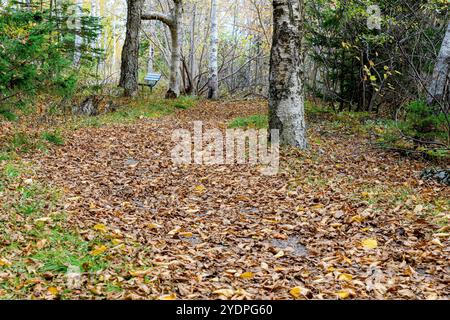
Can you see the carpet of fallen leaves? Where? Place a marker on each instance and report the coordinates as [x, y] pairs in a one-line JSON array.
[[339, 221]]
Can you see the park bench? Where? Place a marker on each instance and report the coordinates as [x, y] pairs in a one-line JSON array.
[[151, 79]]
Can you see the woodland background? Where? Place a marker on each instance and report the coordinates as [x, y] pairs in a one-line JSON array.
[[87, 185]]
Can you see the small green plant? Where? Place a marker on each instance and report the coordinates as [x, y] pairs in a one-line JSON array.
[[20, 142], [255, 121], [11, 171], [53, 137], [421, 122], [8, 115], [184, 102]]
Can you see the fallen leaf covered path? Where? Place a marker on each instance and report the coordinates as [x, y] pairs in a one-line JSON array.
[[339, 221]]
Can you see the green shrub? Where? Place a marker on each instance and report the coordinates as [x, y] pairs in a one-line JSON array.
[[37, 54], [423, 123]]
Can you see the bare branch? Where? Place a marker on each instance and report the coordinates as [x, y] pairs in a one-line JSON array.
[[158, 16]]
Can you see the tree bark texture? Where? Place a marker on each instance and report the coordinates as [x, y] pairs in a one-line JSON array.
[[130, 52], [439, 89], [286, 97], [213, 81]]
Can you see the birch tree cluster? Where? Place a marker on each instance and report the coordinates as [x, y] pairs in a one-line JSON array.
[[223, 46]]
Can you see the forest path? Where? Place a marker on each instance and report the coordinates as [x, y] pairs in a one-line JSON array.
[[340, 220]]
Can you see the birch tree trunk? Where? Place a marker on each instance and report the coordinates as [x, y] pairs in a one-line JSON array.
[[213, 81], [286, 99], [78, 38], [233, 56], [439, 89], [130, 51], [192, 65]]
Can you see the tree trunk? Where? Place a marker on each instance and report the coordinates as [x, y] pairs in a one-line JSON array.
[[174, 22], [130, 51], [78, 39], [192, 65], [175, 32], [439, 89], [213, 81], [286, 100]]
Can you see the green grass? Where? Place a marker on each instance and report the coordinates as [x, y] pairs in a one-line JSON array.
[[8, 115], [254, 122], [53, 137], [5, 156], [11, 171], [32, 214], [138, 108], [23, 142], [66, 249], [184, 102]]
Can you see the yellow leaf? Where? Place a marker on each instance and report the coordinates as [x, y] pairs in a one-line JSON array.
[[345, 277], [171, 296], [4, 262], [246, 275], [186, 234], [200, 189], [343, 294], [153, 226], [371, 63], [116, 241], [369, 243], [356, 218], [100, 227], [53, 290], [44, 219], [278, 269], [349, 261], [98, 250], [297, 292], [224, 292]]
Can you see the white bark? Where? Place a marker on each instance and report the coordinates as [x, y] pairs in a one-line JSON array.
[[192, 65], [78, 38], [439, 89], [286, 100], [213, 81]]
